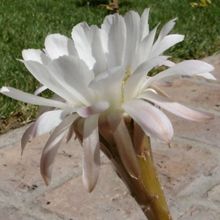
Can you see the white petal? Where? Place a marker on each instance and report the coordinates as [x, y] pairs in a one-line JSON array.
[[27, 136], [108, 85], [176, 108], [107, 23], [82, 37], [149, 64], [52, 145], [167, 27], [91, 152], [70, 133], [44, 124], [94, 109], [57, 45], [150, 119], [116, 41], [29, 98], [132, 21], [124, 144], [144, 26], [114, 70], [47, 157], [168, 63], [165, 30], [35, 55], [145, 47], [207, 76], [72, 69], [41, 73], [132, 85], [73, 74], [105, 28], [40, 90], [98, 51], [189, 67], [166, 43]]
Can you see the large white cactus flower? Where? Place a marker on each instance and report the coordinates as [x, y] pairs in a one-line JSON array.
[[105, 71]]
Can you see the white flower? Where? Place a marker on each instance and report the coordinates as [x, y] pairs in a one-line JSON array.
[[104, 71]]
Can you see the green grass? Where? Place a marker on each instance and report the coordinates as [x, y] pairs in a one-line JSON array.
[[25, 24]]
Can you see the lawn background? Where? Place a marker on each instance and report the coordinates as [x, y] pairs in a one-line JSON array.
[[26, 23]]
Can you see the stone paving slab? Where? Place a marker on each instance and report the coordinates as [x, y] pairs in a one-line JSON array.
[[196, 93], [21, 182], [110, 199], [215, 61], [189, 171], [200, 95], [177, 167], [185, 169]]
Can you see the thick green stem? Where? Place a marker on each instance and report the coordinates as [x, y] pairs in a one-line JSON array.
[[157, 204], [146, 189]]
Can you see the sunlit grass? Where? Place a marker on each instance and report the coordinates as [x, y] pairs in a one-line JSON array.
[[25, 24]]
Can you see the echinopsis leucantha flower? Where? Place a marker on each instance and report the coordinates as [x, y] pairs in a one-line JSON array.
[[105, 71]]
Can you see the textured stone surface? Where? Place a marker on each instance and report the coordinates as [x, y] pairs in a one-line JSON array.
[[110, 199], [189, 171]]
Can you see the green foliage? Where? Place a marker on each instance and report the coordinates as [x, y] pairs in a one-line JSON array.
[[25, 24]]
